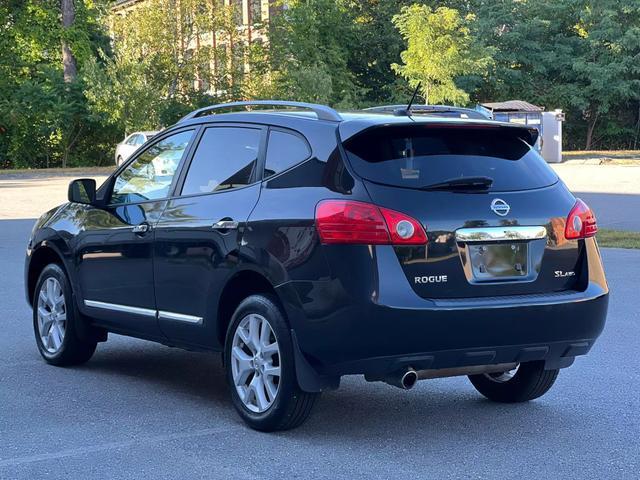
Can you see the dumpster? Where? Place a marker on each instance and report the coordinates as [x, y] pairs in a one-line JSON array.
[[548, 124]]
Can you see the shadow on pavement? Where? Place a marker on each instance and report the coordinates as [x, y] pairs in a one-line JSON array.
[[444, 409]]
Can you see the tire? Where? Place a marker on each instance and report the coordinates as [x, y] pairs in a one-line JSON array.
[[530, 381], [119, 161], [63, 347], [289, 407]]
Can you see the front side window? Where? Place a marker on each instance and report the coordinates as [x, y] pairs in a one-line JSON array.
[[150, 175], [284, 151], [225, 158]]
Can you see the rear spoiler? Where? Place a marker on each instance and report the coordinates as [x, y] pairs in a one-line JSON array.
[[350, 129]]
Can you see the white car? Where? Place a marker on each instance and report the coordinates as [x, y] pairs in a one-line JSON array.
[[130, 144]]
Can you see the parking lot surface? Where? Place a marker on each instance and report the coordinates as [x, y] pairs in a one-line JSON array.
[[612, 191], [140, 410]]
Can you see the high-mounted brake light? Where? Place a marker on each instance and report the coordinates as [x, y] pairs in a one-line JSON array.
[[581, 222], [351, 222]]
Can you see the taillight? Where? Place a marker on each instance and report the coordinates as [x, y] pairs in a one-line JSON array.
[[581, 222], [347, 221]]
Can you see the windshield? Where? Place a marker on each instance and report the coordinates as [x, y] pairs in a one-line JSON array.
[[415, 156]]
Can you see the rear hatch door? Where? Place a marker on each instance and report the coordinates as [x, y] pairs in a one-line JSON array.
[[503, 235]]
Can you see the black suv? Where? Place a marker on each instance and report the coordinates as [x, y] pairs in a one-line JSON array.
[[308, 244]]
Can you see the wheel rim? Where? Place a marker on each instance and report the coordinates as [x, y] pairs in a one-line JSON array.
[[52, 315], [502, 377], [255, 363]]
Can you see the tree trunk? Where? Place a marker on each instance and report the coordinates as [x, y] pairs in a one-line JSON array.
[[635, 140], [591, 125], [68, 60]]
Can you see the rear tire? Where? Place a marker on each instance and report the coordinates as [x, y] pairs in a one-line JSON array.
[[260, 368], [56, 320], [530, 381]]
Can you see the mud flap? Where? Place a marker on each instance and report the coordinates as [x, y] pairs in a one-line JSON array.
[[85, 331], [308, 379]]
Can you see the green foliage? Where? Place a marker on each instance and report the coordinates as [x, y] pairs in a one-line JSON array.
[[43, 121], [578, 55], [310, 48], [439, 50]]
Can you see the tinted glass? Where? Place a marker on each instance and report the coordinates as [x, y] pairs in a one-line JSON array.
[[283, 151], [150, 175], [132, 140], [420, 155], [225, 158]]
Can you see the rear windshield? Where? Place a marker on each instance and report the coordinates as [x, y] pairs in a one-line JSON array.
[[421, 155]]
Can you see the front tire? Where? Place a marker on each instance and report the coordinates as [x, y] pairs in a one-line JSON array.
[[261, 370], [55, 320], [528, 381]]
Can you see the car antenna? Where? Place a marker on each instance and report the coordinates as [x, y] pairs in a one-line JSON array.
[[406, 112]]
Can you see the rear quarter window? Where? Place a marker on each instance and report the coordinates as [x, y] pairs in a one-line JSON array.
[[284, 150], [418, 155]]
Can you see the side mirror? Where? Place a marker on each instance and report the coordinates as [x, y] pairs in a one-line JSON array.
[[82, 190]]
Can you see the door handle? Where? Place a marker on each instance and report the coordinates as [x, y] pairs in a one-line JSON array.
[[141, 228], [225, 225]]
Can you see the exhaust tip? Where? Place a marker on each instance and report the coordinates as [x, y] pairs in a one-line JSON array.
[[409, 379]]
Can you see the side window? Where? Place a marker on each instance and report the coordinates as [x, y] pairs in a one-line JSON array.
[[139, 140], [225, 158], [132, 139], [150, 175], [283, 151]]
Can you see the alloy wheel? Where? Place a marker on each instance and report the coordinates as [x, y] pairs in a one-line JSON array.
[[255, 363], [52, 315], [502, 377]]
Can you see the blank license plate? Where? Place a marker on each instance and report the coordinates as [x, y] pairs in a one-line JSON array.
[[502, 261]]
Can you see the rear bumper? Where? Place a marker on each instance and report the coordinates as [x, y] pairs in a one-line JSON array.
[[379, 327], [379, 339]]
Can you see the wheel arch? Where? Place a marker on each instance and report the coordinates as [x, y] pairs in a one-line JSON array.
[[42, 256], [241, 285]]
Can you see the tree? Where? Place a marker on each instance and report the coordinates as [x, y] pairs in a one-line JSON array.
[[44, 121], [310, 44], [68, 60], [578, 55], [171, 57], [609, 68], [378, 46], [440, 49]]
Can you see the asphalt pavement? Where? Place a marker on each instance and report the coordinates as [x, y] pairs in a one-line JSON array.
[[140, 410], [618, 211]]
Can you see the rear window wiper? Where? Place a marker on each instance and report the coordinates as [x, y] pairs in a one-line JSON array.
[[461, 183]]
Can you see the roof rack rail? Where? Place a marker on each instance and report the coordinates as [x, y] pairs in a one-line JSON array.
[[322, 111]]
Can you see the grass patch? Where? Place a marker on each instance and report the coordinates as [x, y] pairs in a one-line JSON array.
[[605, 157], [618, 238]]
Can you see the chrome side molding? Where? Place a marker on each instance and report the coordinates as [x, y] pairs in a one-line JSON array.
[[180, 317], [147, 312], [120, 308], [497, 234]]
